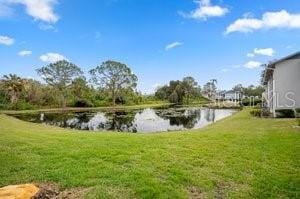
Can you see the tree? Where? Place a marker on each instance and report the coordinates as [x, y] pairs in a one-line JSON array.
[[13, 86], [238, 88], [60, 75], [79, 88], [189, 85], [179, 91], [210, 88], [114, 76]]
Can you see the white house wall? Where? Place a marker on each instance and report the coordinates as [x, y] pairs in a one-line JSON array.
[[287, 84]]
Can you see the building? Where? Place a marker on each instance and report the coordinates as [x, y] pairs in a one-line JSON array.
[[281, 79], [229, 95]]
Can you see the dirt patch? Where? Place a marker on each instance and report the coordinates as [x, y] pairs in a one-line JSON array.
[[195, 193], [221, 190], [51, 191]]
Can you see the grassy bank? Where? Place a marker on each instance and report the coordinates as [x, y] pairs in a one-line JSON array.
[[86, 109], [238, 157]]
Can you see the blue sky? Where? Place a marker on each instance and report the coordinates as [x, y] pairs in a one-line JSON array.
[[159, 39]]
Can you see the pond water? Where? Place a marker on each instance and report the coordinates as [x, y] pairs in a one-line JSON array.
[[143, 120]]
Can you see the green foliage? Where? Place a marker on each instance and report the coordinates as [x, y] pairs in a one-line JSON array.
[[179, 92], [210, 88], [21, 105], [59, 75], [115, 77], [253, 91], [13, 86], [251, 102], [256, 112], [82, 103]]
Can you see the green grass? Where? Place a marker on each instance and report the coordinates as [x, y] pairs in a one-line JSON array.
[[238, 157]]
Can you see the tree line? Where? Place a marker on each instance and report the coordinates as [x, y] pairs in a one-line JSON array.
[[111, 83]]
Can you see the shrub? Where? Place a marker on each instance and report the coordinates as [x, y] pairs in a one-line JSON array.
[[298, 122], [82, 103], [251, 102], [256, 112], [285, 113], [21, 105]]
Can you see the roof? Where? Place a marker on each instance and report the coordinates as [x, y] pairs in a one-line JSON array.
[[271, 66], [231, 92]]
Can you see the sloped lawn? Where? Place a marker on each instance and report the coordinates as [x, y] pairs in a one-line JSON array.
[[238, 157]]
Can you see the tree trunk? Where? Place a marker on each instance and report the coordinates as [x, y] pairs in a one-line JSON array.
[[113, 98]]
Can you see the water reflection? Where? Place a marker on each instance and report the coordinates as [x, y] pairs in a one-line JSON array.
[[145, 120]]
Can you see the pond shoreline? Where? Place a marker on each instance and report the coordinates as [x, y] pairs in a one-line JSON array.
[[139, 120], [83, 109]]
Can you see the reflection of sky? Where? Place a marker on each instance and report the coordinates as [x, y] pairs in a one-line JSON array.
[[209, 116], [149, 121], [98, 121]]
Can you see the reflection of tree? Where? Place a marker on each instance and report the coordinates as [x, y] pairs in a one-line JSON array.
[[121, 121], [187, 118], [58, 119], [210, 115]]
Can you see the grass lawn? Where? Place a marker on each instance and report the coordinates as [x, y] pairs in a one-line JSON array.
[[238, 157]]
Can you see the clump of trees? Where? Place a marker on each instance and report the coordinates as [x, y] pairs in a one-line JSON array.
[[250, 91], [64, 85], [180, 91]]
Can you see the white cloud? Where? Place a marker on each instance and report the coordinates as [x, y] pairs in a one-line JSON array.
[[38, 9], [173, 45], [205, 10], [25, 53], [269, 20], [264, 51], [44, 26], [52, 57], [252, 64], [250, 55], [5, 40]]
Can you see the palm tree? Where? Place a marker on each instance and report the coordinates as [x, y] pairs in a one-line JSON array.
[[13, 86]]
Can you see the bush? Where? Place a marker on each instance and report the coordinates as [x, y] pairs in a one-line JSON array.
[[298, 122], [256, 112], [285, 113], [251, 102], [21, 105], [82, 103]]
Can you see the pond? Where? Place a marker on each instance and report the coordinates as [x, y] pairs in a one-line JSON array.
[[143, 120]]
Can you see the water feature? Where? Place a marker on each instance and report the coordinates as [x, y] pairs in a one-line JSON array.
[[143, 120]]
